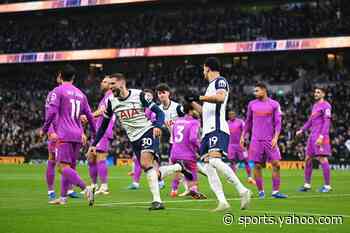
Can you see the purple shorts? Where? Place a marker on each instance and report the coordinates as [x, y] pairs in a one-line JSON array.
[[190, 165], [261, 151], [103, 145], [236, 153], [68, 152], [51, 146], [312, 149]]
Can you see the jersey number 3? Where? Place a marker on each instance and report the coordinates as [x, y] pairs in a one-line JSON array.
[[179, 136]]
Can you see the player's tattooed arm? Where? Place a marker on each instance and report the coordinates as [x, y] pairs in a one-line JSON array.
[[219, 97], [52, 110]]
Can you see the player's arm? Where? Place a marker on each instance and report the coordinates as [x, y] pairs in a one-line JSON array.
[[327, 114], [99, 112], [107, 116], [247, 127], [147, 102], [53, 104], [218, 98], [278, 124], [180, 111], [305, 127]]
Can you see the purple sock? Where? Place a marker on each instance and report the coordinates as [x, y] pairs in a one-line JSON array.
[[73, 177], [137, 171], [50, 175], [259, 183], [93, 171], [308, 172], [65, 186], [233, 166], [247, 168], [175, 183], [276, 182], [326, 172], [102, 171]]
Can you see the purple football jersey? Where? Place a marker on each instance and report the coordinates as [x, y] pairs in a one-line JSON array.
[[319, 121], [185, 138], [236, 128], [103, 105], [67, 103], [264, 119]]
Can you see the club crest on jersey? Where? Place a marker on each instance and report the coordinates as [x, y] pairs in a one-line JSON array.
[[127, 114], [222, 84]]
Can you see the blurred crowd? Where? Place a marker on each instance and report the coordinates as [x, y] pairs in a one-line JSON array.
[[190, 25], [22, 104]]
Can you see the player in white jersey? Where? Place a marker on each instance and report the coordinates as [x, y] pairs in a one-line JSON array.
[[216, 134], [172, 110], [129, 107]]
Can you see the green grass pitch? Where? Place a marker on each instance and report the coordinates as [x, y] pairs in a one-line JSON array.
[[24, 208]]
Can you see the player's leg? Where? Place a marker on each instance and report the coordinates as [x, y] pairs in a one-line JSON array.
[[274, 156], [256, 152], [231, 158], [50, 174], [152, 178], [326, 174], [66, 155], [193, 184], [175, 185], [102, 171], [136, 174], [259, 179], [308, 165], [71, 193], [307, 174], [217, 147], [93, 173], [276, 180]]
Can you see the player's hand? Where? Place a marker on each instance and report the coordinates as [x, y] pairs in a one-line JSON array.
[[168, 124], [84, 139], [53, 137], [241, 142], [157, 132], [41, 134], [299, 133], [192, 98], [83, 119], [274, 142], [91, 152], [319, 140]]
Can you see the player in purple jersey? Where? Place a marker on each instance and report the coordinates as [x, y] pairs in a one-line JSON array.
[[66, 104], [51, 144], [185, 138], [318, 144], [97, 163], [264, 120], [235, 151]]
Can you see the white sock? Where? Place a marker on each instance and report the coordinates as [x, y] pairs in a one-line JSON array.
[[136, 184], [228, 173], [170, 169], [184, 182], [104, 186], [50, 191], [152, 178], [306, 185], [215, 183], [201, 168]]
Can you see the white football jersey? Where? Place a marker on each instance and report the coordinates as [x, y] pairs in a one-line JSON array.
[[130, 112], [214, 114], [174, 111]]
